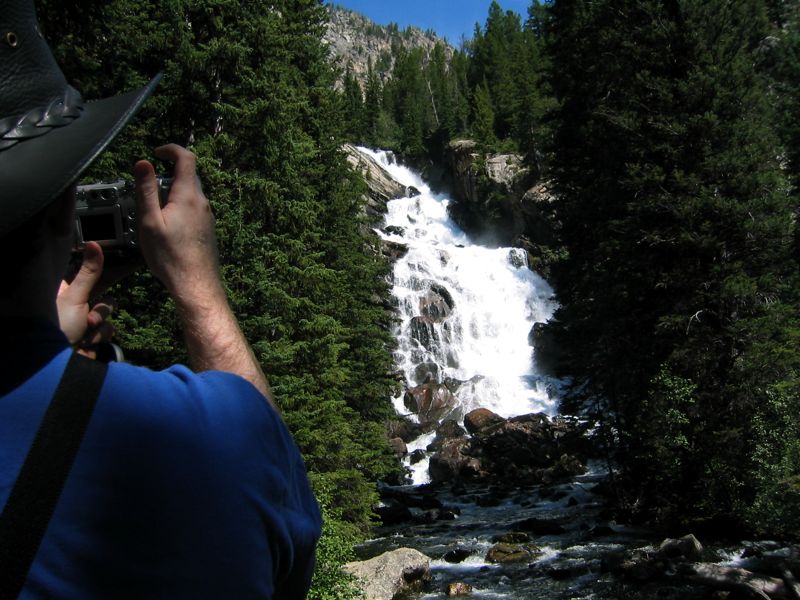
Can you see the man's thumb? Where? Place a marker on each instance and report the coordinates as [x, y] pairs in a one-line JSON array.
[[91, 269], [147, 202]]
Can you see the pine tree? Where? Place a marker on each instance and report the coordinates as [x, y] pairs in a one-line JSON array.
[[355, 112], [483, 121], [496, 60], [677, 291]]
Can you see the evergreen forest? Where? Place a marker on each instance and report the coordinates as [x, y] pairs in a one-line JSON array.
[[669, 132]]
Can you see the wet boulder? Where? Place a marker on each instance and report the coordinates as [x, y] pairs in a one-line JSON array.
[[427, 372], [539, 527], [398, 446], [510, 553], [417, 456], [393, 250], [514, 537], [517, 258], [564, 468], [546, 353], [394, 514], [448, 430], [404, 429], [423, 331], [435, 306], [381, 186], [456, 555], [385, 576], [449, 463], [394, 230], [525, 441], [430, 401], [686, 548], [458, 588], [481, 419], [568, 569]]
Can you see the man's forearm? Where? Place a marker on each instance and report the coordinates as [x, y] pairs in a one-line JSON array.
[[214, 340]]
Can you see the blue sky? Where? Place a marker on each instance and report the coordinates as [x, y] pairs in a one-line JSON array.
[[448, 18]]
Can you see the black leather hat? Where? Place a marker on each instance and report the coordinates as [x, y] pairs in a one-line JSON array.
[[48, 134]]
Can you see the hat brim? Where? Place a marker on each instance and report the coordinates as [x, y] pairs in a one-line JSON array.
[[35, 171]]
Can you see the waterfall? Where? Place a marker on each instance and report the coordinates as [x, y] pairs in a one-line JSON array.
[[465, 311]]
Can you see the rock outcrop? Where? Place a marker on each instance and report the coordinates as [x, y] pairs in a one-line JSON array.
[[528, 449], [482, 179], [481, 419], [383, 577], [497, 196], [381, 185]]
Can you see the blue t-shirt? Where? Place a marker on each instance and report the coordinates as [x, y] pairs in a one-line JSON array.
[[185, 485]]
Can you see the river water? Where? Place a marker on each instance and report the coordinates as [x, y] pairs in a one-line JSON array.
[[494, 300]]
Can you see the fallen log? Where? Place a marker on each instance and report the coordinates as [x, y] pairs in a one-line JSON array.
[[743, 582]]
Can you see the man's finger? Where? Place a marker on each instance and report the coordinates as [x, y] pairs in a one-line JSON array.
[[147, 202], [81, 287], [185, 172]]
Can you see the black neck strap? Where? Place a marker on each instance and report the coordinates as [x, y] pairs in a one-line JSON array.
[[34, 496]]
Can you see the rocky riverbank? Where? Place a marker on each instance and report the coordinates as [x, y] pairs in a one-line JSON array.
[[553, 541]]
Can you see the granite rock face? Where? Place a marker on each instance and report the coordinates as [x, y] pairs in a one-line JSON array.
[[381, 185], [499, 198], [354, 41]]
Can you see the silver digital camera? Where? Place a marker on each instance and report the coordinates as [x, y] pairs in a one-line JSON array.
[[106, 213]]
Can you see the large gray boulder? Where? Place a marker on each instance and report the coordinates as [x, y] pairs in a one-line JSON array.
[[385, 576]]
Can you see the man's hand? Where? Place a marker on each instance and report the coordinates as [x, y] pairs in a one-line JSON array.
[[180, 246], [84, 325], [178, 241]]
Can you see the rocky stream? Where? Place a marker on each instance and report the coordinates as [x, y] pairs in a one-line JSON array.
[[506, 498]]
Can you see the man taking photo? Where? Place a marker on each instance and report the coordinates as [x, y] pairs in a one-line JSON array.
[[183, 483]]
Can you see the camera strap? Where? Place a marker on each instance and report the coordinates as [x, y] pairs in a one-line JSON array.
[[39, 484]]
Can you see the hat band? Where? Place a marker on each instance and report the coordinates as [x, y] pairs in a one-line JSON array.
[[40, 121]]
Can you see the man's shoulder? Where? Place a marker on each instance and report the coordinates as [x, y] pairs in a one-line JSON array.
[[199, 408], [179, 386]]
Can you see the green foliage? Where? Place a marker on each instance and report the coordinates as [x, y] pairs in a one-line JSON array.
[[785, 70], [776, 465], [507, 61], [483, 120], [354, 108], [494, 89], [665, 430], [678, 222], [335, 548]]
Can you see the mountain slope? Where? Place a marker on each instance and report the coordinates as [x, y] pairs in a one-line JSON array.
[[355, 41]]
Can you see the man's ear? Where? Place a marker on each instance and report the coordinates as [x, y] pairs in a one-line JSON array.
[[61, 213]]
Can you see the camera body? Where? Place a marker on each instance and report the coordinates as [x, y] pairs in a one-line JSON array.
[[106, 213]]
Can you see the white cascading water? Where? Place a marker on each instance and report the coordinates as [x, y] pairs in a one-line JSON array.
[[494, 301]]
